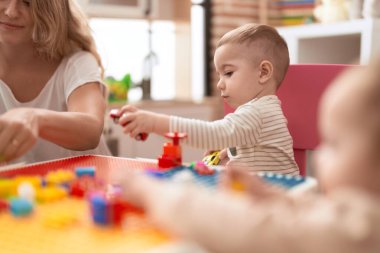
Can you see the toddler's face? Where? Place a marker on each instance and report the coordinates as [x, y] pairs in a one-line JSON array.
[[238, 75], [344, 157]]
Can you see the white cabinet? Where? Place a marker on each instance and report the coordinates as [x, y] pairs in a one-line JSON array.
[[210, 109], [340, 43]]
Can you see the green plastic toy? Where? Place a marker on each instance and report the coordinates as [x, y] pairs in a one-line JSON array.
[[118, 89]]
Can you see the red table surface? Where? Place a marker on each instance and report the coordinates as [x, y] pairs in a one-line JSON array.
[[104, 166]]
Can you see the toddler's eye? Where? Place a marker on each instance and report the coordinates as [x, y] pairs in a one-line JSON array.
[[228, 73]]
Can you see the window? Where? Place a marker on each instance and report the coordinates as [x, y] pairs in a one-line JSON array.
[[123, 45]]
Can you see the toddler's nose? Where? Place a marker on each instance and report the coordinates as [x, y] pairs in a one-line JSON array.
[[220, 85]]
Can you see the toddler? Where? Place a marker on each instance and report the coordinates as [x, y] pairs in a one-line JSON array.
[[344, 217], [251, 62]]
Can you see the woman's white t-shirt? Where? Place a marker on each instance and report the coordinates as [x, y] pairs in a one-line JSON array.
[[74, 71]]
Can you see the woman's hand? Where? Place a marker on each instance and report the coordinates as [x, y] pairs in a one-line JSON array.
[[18, 132]]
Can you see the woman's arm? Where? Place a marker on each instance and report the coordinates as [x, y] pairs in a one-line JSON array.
[[79, 128]]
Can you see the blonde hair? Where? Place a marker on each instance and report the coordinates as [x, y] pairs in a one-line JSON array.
[[274, 46], [60, 29]]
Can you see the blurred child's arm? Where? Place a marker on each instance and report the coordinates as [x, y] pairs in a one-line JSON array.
[[211, 218], [137, 121], [227, 222]]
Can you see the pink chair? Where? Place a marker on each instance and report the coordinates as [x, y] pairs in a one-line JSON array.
[[300, 93]]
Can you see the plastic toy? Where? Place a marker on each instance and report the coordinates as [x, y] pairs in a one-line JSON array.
[[83, 184], [108, 210], [20, 207], [118, 89], [212, 159], [114, 114], [202, 169], [99, 209], [81, 171], [59, 177], [61, 219], [50, 194], [7, 187], [294, 184], [172, 153], [173, 174], [26, 191], [3, 205]]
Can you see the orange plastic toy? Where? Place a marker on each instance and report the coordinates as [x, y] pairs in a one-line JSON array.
[[172, 153]]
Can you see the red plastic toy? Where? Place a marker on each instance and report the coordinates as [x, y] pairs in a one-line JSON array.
[[114, 114], [3, 205], [172, 154], [202, 169]]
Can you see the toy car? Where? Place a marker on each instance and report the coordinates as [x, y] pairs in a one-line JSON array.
[[212, 159]]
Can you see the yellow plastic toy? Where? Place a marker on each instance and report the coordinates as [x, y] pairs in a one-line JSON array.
[[212, 159]]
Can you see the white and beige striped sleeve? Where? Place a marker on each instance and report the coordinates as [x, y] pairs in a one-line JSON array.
[[240, 128]]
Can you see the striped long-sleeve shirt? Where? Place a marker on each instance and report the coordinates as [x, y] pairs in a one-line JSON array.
[[256, 135]]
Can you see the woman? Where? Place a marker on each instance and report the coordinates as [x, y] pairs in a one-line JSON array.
[[52, 98]]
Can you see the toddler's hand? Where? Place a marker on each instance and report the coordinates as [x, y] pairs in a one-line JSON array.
[[135, 121], [223, 157]]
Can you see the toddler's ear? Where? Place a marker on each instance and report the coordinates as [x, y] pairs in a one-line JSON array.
[[266, 71]]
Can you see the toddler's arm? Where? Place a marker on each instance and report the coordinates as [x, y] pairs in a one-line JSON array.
[[233, 130]]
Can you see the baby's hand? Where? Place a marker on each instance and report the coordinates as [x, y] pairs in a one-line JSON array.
[[115, 115], [223, 157], [136, 123], [236, 176], [137, 188]]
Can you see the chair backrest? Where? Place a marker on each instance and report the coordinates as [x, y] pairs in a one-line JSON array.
[[300, 93]]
